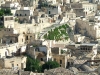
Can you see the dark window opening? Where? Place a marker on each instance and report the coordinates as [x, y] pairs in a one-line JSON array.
[[26, 37], [16, 14], [41, 59], [54, 59], [60, 61], [49, 12], [10, 41]]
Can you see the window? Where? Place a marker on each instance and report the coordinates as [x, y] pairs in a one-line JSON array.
[[5, 53], [26, 37], [17, 64], [20, 15], [10, 41], [49, 12], [41, 59], [25, 14], [54, 59], [16, 14], [60, 61], [12, 65], [60, 65], [22, 65]]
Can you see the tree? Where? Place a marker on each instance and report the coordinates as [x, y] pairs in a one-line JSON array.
[[5, 12], [50, 65], [32, 65]]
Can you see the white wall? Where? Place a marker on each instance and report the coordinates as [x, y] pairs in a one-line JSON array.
[[56, 10], [9, 49]]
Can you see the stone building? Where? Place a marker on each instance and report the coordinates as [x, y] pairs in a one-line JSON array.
[[90, 29], [61, 59], [24, 15], [13, 63], [8, 21]]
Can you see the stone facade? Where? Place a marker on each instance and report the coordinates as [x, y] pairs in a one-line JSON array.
[[14, 63], [61, 59]]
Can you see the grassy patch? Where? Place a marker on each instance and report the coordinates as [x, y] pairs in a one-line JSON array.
[[59, 33]]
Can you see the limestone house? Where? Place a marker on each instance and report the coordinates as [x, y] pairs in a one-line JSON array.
[[33, 4], [61, 59], [39, 52], [5, 31], [54, 10], [52, 2], [82, 39], [9, 4], [8, 21], [10, 39], [89, 7], [14, 63], [26, 38], [88, 29], [69, 14], [79, 12], [43, 18], [83, 48], [78, 38], [8, 50], [15, 38], [88, 48], [24, 15]]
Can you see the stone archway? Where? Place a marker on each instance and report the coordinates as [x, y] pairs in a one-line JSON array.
[[7, 53]]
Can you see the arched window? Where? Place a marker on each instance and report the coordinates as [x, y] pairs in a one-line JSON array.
[[25, 15], [16, 14], [49, 12], [20, 14]]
